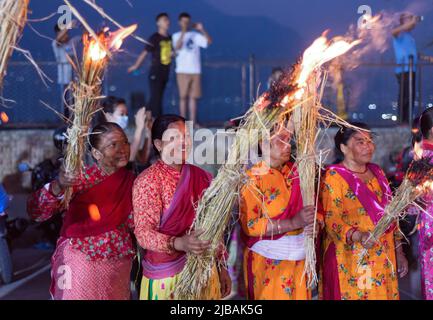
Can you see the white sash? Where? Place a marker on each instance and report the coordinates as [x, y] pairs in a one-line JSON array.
[[290, 248]]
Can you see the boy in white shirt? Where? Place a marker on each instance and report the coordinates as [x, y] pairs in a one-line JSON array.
[[187, 44]]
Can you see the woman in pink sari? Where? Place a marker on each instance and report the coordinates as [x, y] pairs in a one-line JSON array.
[[93, 257], [164, 197], [426, 218]]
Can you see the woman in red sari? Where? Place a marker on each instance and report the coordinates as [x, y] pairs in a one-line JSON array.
[[164, 196], [94, 253]]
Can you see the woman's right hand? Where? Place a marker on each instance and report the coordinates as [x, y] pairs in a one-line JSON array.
[[64, 181], [190, 243], [132, 68], [364, 239], [306, 216], [367, 241]]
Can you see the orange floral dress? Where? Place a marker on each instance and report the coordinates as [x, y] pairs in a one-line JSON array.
[[263, 198], [376, 278]]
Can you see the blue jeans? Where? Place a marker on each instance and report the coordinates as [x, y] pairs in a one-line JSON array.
[[5, 258]]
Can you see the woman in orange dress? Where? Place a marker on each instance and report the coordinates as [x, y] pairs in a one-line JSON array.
[[353, 195], [273, 221]]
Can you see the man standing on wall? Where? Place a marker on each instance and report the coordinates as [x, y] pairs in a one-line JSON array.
[[187, 44], [160, 47]]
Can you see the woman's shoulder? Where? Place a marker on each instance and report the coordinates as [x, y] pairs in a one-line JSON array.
[[331, 174], [257, 170], [150, 175]]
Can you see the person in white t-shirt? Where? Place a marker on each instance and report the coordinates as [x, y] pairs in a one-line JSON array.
[[187, 44]]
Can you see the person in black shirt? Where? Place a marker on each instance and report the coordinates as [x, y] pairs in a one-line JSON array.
[[160, 46]]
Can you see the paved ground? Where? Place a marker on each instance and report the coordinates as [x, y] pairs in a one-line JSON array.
[[32, 266]]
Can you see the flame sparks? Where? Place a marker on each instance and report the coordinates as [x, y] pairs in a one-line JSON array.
[[4, 117]]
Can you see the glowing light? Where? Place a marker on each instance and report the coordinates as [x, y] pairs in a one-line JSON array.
[[320, 52], [427, 186], [94, 212], [96, 52], [285, 100], [114, 43], [4, 117]]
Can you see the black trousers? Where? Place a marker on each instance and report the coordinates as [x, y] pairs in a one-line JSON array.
[[158, 78], [403, 95]]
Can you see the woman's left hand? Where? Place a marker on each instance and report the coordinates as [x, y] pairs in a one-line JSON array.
[[402, 263], [225, 282]]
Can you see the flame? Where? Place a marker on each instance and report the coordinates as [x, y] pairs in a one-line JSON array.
[[96, 53], [320, 52], [427, 186], [113, 43], [4, 117]]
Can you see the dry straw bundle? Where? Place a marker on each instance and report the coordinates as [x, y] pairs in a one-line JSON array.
[[418, 181], [306, 119], [306, 128], [87, 91], [13, 17]]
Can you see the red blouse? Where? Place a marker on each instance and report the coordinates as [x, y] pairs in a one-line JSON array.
[[152, 194], [42, 205]]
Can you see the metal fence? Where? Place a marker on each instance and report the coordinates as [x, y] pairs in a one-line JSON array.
[[370, 91]]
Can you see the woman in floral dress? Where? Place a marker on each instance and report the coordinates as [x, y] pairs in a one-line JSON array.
[[353, 195], [273, 221]]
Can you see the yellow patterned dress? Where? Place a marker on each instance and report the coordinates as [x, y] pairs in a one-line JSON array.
[[264, 197], [376, 278]]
